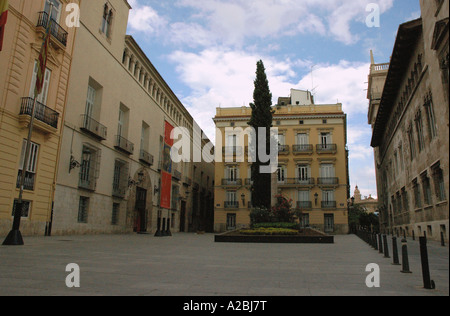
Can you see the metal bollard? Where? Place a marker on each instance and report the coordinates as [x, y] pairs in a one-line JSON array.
[[375, 242], [158, 229], [405, 261], [427, 282], [395, 251], [413, 235], [168, 233], [163, 230], [442, 239], [385, 246], [380, 244]]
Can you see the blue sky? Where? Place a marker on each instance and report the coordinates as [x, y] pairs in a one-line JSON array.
[[207, 50]]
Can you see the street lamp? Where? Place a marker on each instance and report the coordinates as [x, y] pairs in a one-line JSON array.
[[243, 199], [75, 164], [316, 196], [132, 182]]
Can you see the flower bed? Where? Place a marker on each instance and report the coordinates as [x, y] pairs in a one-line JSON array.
[[269, 231]]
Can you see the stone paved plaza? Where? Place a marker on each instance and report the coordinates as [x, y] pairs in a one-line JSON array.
[[193, 265]]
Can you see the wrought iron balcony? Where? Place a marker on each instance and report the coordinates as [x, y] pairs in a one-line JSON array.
[[177, 175], [42, 113], [327, 181], [283, 149], [124, 145], [326, 148], [146, 158], [231, 204], [297, 182], [303, 149], [232, 182], [56, 30], [91, 126], [329, 204], [28, 184], [304, 205]]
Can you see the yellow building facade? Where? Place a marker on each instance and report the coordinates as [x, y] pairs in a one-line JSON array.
[[312, 164], [24, 32]]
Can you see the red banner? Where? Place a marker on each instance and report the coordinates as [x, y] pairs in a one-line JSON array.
[[166, 170]]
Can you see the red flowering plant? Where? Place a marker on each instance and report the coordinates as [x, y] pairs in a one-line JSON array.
[[283, 211]]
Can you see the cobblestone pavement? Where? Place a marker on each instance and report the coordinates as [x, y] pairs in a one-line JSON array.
[[193, 265]]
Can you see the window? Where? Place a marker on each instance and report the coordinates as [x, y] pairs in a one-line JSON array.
[[417, 199], [120, 179], [122, 126], [328, 199], [400, 151], [115, 214], [26, 207], [231, 221], [89, 169], [42, 98], [145, 136], [90, 101], [405, 199], [327, 173], [325, 139], [107, 20], [31, 166], [426, 189], [305, 220], [281, 174], [231, 174], [304, 201], [303, 173], [56, 11], [302, 139], [419, 130], [439, 185], [83, 209], [412, 147], [430, 116], [281, 139]]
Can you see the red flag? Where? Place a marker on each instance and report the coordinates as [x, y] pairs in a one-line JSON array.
[[42, 63], [3, 18], [166, 171]]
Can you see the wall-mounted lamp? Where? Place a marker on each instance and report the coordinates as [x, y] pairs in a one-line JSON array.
[[75, 164], [243, 199], [155, 190], [353, 200], [132, 182], [316, 196]]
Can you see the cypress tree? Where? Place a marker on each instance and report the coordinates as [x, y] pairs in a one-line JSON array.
[[262, 116]]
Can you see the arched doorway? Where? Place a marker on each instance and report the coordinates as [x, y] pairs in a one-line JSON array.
[[140, 202]]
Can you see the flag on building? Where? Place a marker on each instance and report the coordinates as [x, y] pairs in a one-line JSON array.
[[166, 171], [3, 18], [42, 60]]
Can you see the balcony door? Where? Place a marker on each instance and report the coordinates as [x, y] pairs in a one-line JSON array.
[[329, 223], [327, 173], [56, 11], [42, 98], [303, 174], [231, 175]]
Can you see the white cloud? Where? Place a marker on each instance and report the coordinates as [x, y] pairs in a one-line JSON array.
[[232, 22]]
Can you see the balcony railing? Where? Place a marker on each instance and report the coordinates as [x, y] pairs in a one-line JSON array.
[[248, 181], [177, 175], [146, 158], [231, 204], [283, 149], [124, 145], [91, 126], [119, 190], [326, 148], [328, 181], [28, 183], [328, 204], [87, 183], [297, 182], [304, 205], [56, 30], [231, 181], [303, 149], [42, 113]]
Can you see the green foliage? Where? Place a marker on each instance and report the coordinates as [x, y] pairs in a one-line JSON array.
[[262, 117], [260, 215], [283, 211], [269, 231], [358, 217], [277, 225]]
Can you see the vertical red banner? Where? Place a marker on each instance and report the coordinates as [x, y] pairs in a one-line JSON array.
[[166, 170]]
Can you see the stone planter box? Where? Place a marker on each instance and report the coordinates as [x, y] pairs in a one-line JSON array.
[[235, 237]]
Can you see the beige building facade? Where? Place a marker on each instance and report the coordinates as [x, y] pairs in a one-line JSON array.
[[111, 157], [409, 116], [23, 38], [312, 164]]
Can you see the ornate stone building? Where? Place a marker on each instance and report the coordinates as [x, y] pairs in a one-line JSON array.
[[409, 115]]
